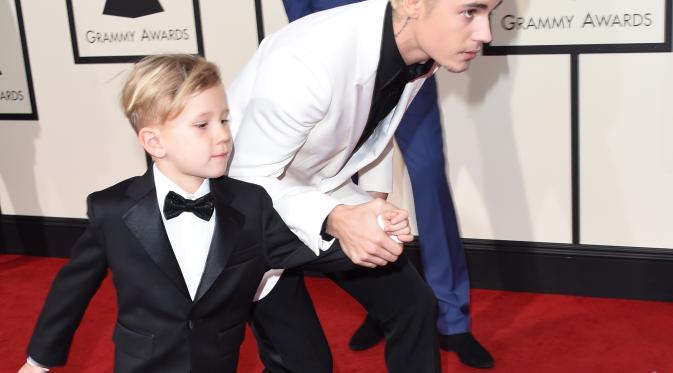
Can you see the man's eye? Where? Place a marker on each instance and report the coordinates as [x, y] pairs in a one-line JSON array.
[[468, 13], [201, 125]]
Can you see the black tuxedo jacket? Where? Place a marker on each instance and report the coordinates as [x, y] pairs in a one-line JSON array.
[[159, 328]]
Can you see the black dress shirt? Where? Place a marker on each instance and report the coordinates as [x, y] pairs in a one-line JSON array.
[[392, 75]]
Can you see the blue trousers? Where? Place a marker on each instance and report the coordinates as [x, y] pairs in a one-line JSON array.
[[419, 137]]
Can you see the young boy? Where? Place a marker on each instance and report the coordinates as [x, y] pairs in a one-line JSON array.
[[186, 247]]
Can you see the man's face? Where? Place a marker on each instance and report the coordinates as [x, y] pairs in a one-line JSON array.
[[452, 32]]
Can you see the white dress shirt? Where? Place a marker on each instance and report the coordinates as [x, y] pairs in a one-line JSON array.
[[190, 236]]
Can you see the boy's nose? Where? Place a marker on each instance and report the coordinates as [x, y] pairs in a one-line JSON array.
[[224, 134]]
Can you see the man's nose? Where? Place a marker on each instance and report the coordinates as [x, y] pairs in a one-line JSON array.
[[483, 31]]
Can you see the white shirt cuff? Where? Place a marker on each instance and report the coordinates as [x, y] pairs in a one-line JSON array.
[[34, 363]]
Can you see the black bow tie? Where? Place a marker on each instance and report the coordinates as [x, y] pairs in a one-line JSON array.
[[175, 205]]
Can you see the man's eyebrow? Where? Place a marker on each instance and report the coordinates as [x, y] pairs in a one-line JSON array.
[[479, 5], [476, 5]]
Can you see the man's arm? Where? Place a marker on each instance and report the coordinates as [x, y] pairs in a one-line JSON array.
[[282, 249], [292, 94]]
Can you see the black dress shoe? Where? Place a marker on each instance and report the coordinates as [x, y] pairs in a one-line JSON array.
[[367, 335], [469, 351]]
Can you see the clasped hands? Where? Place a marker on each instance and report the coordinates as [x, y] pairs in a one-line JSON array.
[[360, 236]]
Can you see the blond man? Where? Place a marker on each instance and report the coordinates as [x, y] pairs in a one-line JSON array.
[[319, 102]]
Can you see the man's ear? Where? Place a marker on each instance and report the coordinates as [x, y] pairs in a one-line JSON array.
[[150, 139]]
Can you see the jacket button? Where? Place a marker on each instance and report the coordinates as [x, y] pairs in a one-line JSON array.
[[190, 324]]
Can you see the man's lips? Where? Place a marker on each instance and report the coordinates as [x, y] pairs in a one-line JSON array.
[[471, 54]]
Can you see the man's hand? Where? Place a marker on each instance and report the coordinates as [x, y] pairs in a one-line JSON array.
[[396, 223], [360, 236], [27, 368]]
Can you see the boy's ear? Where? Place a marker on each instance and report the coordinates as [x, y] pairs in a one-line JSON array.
[[413, 8], [151, 141]]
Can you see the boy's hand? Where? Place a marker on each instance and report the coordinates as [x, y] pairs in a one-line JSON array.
[[396, 225], [27, 368], [360, 236]]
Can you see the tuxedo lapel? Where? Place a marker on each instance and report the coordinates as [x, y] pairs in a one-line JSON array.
[[228, 225], [144, 220]]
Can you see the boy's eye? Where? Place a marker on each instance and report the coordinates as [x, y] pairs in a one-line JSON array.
[[201, 125], [468, 13]]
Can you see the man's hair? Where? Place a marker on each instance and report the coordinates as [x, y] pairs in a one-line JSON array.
[[159, 86], [398, 3]]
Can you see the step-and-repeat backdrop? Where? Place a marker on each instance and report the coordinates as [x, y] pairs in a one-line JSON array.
[[560, 133]]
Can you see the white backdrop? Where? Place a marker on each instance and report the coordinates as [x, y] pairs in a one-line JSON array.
[[506, 121]]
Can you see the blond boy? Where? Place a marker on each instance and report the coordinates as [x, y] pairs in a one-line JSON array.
[[186, 246]]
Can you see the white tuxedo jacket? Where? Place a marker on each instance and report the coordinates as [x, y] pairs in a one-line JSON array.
[[298, 109]]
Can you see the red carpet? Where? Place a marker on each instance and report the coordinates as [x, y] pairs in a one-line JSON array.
[[525, 332]]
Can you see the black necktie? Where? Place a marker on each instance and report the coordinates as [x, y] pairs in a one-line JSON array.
[[175, 205]]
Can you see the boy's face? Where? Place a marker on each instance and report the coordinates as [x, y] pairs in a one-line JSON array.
[[197, 143], [452, 32]]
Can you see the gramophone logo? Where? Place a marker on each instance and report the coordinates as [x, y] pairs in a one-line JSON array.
[[114, 31], [132, 8]]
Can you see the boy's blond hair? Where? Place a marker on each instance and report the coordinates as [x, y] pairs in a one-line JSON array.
[[159, 86]]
